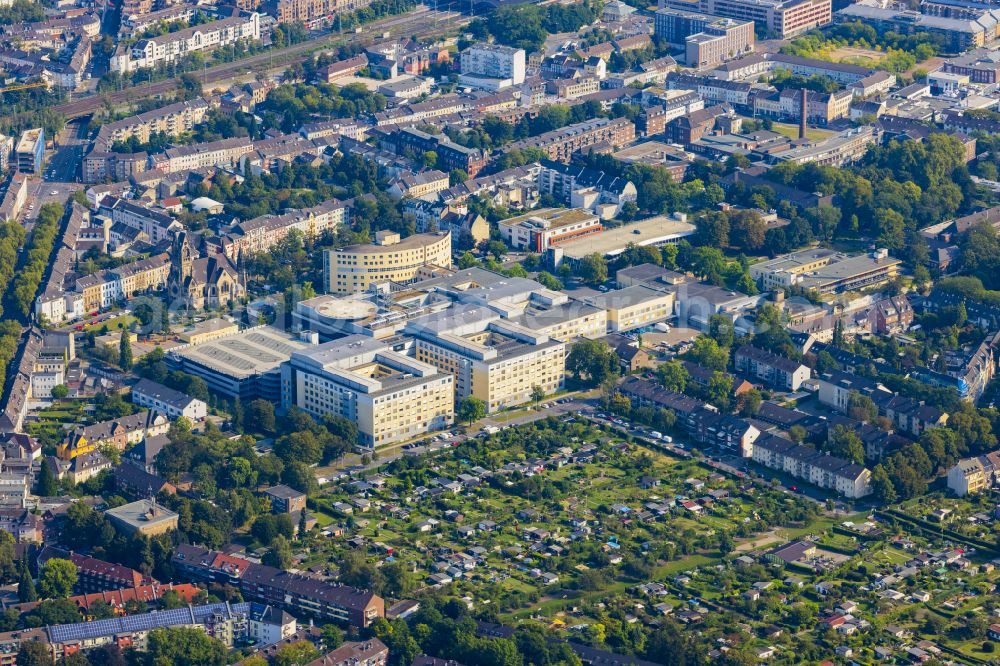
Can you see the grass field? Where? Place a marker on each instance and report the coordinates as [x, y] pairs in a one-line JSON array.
[[856, 56], [118, 323], [792, 132]]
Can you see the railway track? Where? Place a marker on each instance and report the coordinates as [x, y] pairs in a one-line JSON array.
[[421, 21]]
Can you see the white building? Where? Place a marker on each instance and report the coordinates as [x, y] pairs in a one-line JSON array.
[[173, 403], [390, 396], [492, 66], [174, 46]]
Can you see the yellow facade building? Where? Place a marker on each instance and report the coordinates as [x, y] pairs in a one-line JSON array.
[[355, 268]]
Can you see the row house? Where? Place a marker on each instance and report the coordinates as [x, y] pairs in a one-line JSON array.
[[174, 46], [225, 152], [121, 433], [293, 592], [806, 463], [562, 143], [778, 371], [156, 225], [108, 287], [450, 155], [262, 233]]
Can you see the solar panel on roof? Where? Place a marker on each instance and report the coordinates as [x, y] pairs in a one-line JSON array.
[[66, 633]]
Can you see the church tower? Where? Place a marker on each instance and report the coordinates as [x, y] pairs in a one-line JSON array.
[[181, 267]]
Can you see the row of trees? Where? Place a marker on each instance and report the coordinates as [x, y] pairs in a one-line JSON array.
[[39, 249], [528, 26], [11, 239]]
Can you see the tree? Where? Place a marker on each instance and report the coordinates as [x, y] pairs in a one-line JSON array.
[[48, 485], [861, 408], [537, 393], [60, 391], [57, 578], [280, 553], [749, 402], [673, 375], [593, 269], [882, 485], [184, 645], [125, 351], [591, 362], [25, 584], [102, 610], [333, 637], [470, 409], [259, 417], [268, 528], [707, 353], [549, 281], [720, 329], [846, 444], [34, 653], [296, 654]]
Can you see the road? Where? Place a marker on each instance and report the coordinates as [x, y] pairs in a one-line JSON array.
[[557, 406], [421, 21]]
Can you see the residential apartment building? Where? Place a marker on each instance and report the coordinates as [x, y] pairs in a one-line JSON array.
[[30, 150], [315, 13], [778, 371], [285, 500], [974, 475], [262, 233], [820, 469], [780, 18], [94, 575], [14, 198], [390, 396], [450, 155], [826, 271], [492, 66], [172, 120], [103, 289], [701, 421], [231, 623], [603, 194], [494, 359], [891, 315], [836, 389], [174, 46], [293, 592], [174, 404], [539, 230], [562, 143], [120, 433], [355, 268], [573, 88], [156, 225], [225, 152], [6, 149], [707, 40]]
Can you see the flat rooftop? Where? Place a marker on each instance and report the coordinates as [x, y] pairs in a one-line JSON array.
[[628, 297], [251, 352], [139, 514], [658, 230], [551, 218]]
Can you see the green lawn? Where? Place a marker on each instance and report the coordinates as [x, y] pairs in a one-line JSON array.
[[792, 131], [118, 323]]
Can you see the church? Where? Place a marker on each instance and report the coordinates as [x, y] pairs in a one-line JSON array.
[[203, 282]]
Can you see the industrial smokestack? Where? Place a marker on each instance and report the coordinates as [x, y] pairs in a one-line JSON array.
[[805, 110]]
